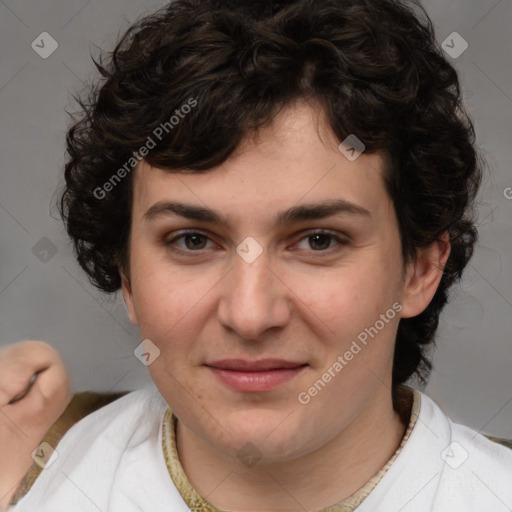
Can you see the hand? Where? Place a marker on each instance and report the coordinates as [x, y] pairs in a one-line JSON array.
[[34, 391]]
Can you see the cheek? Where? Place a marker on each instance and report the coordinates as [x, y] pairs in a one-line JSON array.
[[167, 315], [164, 296], [345, 311], [348, 298], [173, 307]]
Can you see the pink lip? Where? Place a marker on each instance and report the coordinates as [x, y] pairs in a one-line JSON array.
[[253, 366], [254, 376]]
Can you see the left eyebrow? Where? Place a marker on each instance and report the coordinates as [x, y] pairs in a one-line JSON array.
[[313, 211]]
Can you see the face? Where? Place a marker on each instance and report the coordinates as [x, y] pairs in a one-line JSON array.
[[227, 274]]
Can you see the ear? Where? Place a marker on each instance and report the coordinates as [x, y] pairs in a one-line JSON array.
[[424, 275], [126, 286]]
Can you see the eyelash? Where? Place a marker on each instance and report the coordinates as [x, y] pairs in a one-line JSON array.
[[200, 252]]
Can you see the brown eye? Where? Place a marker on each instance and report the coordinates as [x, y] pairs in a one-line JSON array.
[[188, 242], [195, 241], [320, 241]]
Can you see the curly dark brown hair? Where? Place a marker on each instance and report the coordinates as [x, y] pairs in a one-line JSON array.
[[374, 67]]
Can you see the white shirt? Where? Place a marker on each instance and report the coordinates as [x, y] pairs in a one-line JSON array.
[[112, 461]]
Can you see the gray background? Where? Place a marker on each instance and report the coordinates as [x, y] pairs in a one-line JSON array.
[[46, 295]]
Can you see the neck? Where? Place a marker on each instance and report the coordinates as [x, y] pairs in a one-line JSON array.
[[313, 481]]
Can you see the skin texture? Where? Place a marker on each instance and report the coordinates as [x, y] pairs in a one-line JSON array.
[[24, 423], [294, 302]]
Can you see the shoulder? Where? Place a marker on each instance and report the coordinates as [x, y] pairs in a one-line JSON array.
[[476, 473], [132, 408], [468, 444], [122, 423], [483, 456], [86, 461]]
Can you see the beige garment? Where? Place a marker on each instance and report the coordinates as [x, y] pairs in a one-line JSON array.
[[408, 405]]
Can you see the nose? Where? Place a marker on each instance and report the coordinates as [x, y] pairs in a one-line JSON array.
[[254, 299]]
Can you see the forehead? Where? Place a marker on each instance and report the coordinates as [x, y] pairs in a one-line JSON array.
[[294, 160]]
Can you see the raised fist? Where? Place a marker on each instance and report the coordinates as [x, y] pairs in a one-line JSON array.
[[34, 391]]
